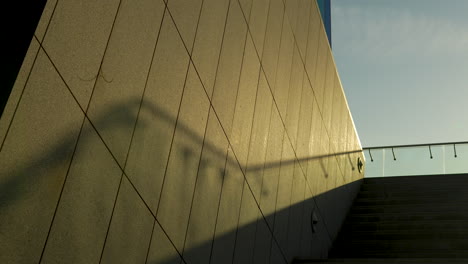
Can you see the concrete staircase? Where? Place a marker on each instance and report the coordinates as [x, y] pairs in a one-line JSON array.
[[418, 219]]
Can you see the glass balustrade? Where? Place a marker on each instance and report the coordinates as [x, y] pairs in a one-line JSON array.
[[412, 160]]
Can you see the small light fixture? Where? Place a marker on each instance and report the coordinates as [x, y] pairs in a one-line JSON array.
[[313, 221], [360, 165]]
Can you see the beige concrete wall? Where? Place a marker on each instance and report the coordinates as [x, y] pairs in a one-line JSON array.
[[158, 130]]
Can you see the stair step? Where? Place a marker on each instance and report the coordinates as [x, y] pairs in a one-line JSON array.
[[438, 208], [409, 225], [448, 197], [376, 217], [355, 253], [409, 194], [416, 179], [384, 260], [421, 185], [393, 219], [406, 244], [403, 234]]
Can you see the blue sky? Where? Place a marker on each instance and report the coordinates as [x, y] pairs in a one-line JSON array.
[[404, 68]]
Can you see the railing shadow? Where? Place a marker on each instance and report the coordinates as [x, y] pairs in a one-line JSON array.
[[305, 238], [123, 115]]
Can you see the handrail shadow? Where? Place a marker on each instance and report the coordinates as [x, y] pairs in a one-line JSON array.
[[123, 115]]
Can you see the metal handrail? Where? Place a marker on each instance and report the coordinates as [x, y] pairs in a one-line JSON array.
[[416, 145]]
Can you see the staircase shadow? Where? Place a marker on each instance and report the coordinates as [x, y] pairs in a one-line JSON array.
[[292, 235]]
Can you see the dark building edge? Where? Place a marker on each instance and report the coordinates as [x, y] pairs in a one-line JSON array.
[[21, 18]]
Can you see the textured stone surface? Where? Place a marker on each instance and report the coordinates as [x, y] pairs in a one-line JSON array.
[[45, 19], [205, 203], [34, 161], [228, 212], [154, 130], [186, 15], [184, 161], [245, 237], [245, 104], [130, 229], [161, 250], [18, 88], [230, 62], [257, 23], [76, 41], [119, 88], [207, 46], [83, 215]]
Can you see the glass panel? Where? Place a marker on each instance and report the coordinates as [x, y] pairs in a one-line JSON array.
[[420, 160], [458, 164]]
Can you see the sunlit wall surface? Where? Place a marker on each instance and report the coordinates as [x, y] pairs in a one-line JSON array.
[[420, 160], [142, 132]]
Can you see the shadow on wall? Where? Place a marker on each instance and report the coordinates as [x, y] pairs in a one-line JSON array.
[[303, 230], [273, 224]]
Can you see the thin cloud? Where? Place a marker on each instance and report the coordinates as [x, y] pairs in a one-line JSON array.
[[387, 32]]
